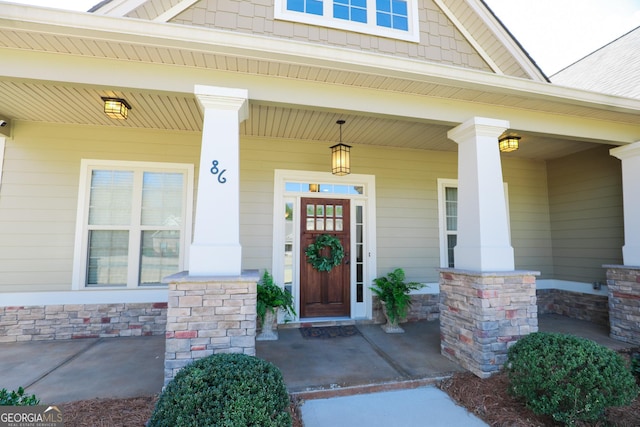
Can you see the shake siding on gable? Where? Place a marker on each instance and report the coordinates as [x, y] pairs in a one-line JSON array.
[[440, 41], [585, 196]]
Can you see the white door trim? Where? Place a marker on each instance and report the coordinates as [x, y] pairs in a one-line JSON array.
[[361, 310]]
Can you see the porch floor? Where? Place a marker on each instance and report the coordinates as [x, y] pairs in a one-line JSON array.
[[376, 361]]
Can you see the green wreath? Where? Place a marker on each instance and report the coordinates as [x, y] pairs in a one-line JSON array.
[[325, 263]]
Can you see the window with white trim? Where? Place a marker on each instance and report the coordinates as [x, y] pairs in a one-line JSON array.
[[133, 223], [448, 213], [396, 19]]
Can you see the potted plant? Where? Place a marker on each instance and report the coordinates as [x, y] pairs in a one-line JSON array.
[[394, 296], [271, 297]]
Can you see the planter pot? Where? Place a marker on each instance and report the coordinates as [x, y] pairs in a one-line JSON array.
[[269, 330], [390, 327]]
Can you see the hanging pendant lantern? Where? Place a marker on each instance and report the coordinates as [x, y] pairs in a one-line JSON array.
[[340, 156]]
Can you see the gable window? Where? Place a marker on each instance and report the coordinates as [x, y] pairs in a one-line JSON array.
[[386, 18], [133, 222], [392, 14], [351, 10]]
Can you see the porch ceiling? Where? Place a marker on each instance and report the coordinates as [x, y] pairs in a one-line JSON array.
[[36, 101]]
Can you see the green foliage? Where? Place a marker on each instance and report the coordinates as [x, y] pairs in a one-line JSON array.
[[394, 292], [272, 297], [570, 378], [229, 390], [17, 398], [325, 263], [635, 365]]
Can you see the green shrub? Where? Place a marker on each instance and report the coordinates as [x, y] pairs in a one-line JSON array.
[[224, 390], [17, 398], [567, 377], [635, 366]]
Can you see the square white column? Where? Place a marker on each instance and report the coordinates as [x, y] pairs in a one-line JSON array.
[[483, 231], [630, 157], [216, 250]]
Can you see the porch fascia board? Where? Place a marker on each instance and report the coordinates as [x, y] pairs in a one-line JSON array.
[[251, 46], [22, 65]]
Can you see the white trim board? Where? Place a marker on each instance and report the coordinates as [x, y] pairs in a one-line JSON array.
[[19, 299], [2, 147]]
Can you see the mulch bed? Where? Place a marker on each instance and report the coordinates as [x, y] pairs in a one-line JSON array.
[[133, 412], [490, 400]]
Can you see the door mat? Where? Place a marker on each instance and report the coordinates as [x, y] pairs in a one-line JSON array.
[[326, 332]]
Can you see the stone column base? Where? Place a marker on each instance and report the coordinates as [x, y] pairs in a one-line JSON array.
[[209, 315], [623, 283], [483, 314]]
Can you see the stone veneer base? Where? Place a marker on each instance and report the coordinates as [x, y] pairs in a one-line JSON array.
[[209, 315], [482, 314], [71, 321], [624, 302]]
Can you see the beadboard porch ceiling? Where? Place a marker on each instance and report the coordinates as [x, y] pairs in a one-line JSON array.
[[35, 101]]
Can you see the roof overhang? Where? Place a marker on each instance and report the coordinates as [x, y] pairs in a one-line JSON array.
[[79, 49]]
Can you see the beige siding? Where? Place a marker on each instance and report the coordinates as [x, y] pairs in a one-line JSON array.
[[440, 41], [529, 214], [407, 203], [38, 198], [39, 193], [585, 197]]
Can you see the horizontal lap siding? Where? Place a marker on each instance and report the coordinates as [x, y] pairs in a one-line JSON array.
[[39, 194], [37, 221], [585, 196], [529, 214]]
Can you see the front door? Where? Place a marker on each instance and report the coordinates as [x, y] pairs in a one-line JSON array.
[[324, 293]]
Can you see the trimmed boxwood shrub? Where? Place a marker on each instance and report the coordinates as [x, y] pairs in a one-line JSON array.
[[567, 377], [224, 390], [17, 398]]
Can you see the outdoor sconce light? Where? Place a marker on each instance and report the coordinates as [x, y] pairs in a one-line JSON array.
[[508, 143], [340, 153], [116, 108]]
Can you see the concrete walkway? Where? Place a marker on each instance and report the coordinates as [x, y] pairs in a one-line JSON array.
[[69, 370]]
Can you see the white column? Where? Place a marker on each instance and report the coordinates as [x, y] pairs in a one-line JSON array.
[[216, 250], [483, 232], [630, 156]]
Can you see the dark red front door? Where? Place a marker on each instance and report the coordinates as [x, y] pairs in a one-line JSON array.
[[322, 293]]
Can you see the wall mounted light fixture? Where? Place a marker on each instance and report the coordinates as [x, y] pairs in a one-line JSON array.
[[116, 108], [508, 144], [340, 156]]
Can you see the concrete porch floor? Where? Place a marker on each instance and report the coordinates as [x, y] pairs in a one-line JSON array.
[[376, 361], [67, 370]]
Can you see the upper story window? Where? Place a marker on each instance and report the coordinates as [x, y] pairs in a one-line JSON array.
[[396, 19]]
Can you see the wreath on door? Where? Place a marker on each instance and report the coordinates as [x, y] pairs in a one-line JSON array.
[[325, 263]]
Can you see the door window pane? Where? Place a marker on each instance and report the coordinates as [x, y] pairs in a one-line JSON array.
[[311, 224], [339, 225], [320, 224]]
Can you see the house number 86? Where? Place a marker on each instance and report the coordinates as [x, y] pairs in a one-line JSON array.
[[216, 171]]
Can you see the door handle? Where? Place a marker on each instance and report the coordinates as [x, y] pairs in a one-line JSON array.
[[347, 258]]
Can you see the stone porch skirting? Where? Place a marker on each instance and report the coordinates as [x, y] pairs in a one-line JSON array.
[[70, 321]]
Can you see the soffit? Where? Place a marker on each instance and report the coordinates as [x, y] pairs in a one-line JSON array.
[[390, 80], [31, 101]]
